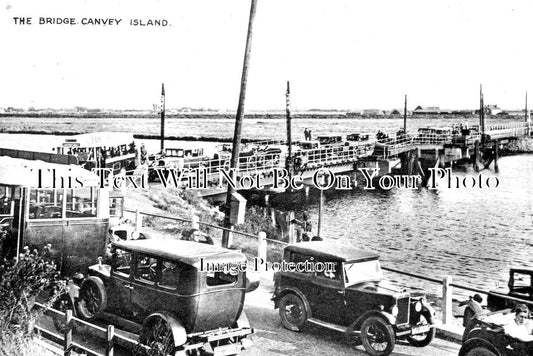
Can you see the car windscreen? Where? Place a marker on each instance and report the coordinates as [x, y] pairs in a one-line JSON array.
[[358, 272]]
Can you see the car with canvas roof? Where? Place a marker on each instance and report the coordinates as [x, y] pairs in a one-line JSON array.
[[343, 288]]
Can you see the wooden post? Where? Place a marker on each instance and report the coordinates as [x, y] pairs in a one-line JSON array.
[[261, 250], [67, 340], [447, 292], [320, 210], [109, 349], [238, 123], [138, 220], [195, 222], [476, 155], [496, 154], [292, 237]]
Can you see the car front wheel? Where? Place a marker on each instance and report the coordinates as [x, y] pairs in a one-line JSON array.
[[421, 340], [480, 351], [292, 312], [377, 336], [93, 298]]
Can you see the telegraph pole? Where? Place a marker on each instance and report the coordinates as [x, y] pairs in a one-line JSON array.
[[405, 116], [234, 165], [162, 117], [288, 164], [481, 114]]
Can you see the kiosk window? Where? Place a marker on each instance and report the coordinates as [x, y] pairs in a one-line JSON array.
[[46, 203], [81, 203]]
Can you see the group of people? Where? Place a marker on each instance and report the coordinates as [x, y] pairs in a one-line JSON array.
[[307, 134], [304, 229]]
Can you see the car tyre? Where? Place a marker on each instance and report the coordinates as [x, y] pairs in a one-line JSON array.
[[480, 351], [292, 312], [425, 339], [93, 298], [158, 336], [62, 304], [377, 336]]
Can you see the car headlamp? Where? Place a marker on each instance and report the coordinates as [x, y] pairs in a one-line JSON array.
[[394, 310], [418, 307]]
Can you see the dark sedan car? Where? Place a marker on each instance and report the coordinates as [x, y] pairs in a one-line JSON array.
[[519, 290], [190, 293], [343, 288]]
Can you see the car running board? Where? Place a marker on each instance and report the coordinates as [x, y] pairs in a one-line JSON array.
[[325, 324]]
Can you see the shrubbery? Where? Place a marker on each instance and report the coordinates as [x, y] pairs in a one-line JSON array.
[[21, 282]]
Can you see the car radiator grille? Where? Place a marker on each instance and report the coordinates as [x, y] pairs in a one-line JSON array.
[[403, 311]]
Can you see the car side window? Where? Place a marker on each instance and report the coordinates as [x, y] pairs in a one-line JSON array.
[[332, 270], [170, 274], [121, 262], [147, 269]]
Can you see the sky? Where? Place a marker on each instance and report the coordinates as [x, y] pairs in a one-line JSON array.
[[337, 54]]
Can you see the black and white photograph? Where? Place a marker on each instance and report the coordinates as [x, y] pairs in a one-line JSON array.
[[266, 177]]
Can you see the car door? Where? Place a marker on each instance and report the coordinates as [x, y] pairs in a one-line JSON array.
[[327, 298], [120, 291], [144, 290]]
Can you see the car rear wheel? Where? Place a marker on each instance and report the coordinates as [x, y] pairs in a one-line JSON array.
[[292, 312], [377, 336], [421, 340], [93, 298], [480, 351], [158, 336]]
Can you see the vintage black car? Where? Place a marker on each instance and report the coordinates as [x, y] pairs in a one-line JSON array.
[[487, 337], [519, 290], [171, 287], [350, 296]]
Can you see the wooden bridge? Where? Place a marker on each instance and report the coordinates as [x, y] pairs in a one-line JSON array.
[[445, 148]]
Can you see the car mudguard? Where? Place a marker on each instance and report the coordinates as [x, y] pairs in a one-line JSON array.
[[242, 322], [379, 313], [296, 291], [428, 307], [477, 342], [178, 330]]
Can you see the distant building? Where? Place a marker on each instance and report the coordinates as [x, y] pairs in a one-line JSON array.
[[427, 110], [399, 112], [373, 112], [492, 110], [354, 113]]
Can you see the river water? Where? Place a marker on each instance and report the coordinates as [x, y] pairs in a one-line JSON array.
[[473, 234]]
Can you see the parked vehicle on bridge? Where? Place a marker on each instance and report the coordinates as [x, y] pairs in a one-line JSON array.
[[175, 158], [357, 137], [487, 337], [110, 150], [330, 140], [343, 288], [520, 286], [170, 288]]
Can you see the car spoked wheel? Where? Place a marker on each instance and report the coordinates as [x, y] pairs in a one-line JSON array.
[[480, 351], [158, 337], [62, 304], [423, 339], [292, 312], [377, 336], [93, 298]]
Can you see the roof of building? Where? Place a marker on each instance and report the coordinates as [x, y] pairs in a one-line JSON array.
[[333, 251]]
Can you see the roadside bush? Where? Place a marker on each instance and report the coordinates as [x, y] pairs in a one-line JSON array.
[[20, 283]]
